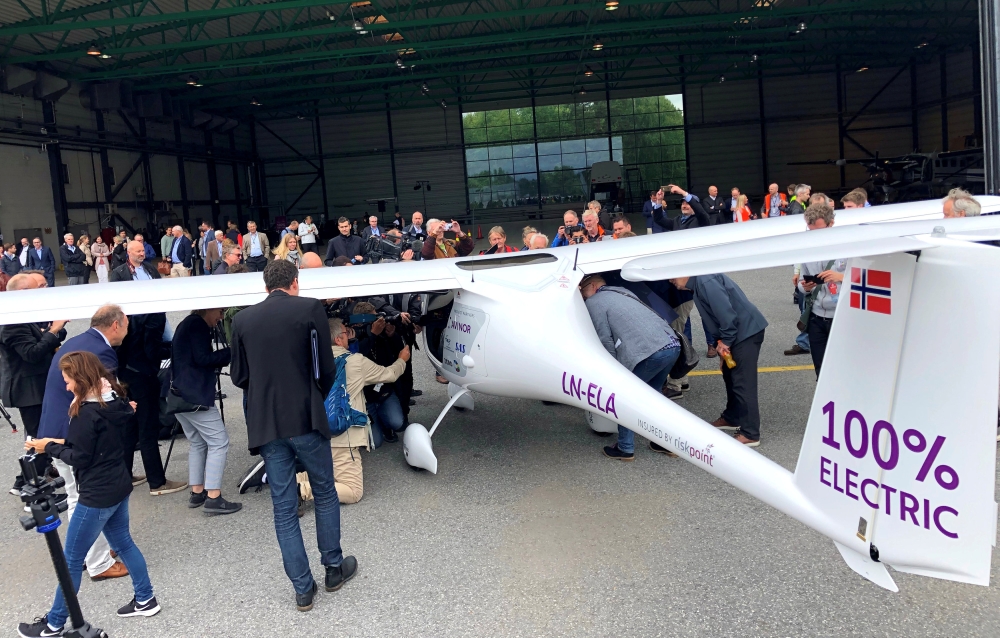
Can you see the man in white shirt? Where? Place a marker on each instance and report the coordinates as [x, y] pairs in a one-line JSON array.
[[255, 248], [307, 235]]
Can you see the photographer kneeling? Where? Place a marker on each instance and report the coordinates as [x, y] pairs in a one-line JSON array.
[[93, 447], [192, 382], [359, 371]]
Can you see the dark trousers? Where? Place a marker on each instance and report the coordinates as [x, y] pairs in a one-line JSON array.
[[819, 334], [280, 456], [404, 389], [741, 387], [256, 264], [86, 276], [145, 428], [309, 248], [30, 417]]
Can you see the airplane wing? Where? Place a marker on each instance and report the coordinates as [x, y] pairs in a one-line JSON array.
[[839, 242], [613, 255], [191, 293]]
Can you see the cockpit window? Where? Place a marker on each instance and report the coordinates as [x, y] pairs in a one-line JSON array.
[[532, 257]]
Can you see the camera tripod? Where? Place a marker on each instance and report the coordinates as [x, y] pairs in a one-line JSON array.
[[6, 415], [39, 494]]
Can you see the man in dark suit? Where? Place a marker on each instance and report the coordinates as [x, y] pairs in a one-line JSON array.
[[74, 261], [180, 255], [41, 258], [346, 245], [692, 215], [715, 206], [739, 328], [108, 328], [26, 351], [286, 419], [139, 360], [372, 228]]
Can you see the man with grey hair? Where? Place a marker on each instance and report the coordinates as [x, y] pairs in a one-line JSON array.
[[821, 282], [73, 260], [181, 254], [801, 200], [960, 203], [538, 241]]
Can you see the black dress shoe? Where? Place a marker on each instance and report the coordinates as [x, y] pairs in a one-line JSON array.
[[390, 436], [337, 576], [304, 602], [412, 402], [416, 393]]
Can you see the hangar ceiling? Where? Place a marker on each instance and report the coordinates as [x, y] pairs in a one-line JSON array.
[[290, 57]]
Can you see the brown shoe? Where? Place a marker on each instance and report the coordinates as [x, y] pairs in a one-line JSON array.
[[168, 488], [794, 350], [138, 480], [712, 352], [440, 379], [745, 441], [723, 424], [115, 571]]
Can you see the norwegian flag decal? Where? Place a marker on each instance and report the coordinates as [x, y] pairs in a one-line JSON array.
[[871, 290]]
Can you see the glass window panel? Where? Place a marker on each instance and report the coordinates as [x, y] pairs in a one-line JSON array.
[[524, 150], [646, 121], [647, 139], [522, 131], [672, 153], [478, 168], [500, 152], [597, 156], [475, 136], [646, 105], [549, 162], [568, 128], [671, 118], [549, 148], [646, 155], [616, 141], [524, 164], [521, 116], [548, 130], [498, 134], [474, 120], [672, 138], [527, 186], [621, 107], [595, 126], [498, 118], [574, 146], [574, 160], [476, 154], [622, 122], [597, 144], [616, 155], [547, 113], [502, 166]]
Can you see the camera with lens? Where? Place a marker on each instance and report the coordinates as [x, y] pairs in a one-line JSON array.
[[576, 234], [387, 247]]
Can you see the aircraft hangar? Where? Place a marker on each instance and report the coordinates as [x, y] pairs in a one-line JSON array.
[[138, 114]]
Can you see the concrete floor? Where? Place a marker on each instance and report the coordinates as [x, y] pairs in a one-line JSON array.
[[527, 530]]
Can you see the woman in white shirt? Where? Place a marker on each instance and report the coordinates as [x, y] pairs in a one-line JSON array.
[[307, 235]]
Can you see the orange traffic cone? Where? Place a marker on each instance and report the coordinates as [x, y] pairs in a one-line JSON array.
[[479, 232]]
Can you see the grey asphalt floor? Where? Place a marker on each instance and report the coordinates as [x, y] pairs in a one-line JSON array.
[[526, 530]]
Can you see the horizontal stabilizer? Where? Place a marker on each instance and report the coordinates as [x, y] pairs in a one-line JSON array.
[[864, 565]]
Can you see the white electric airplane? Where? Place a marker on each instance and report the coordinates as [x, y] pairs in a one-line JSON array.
[[897, 467]]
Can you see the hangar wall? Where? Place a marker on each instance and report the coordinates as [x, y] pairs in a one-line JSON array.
[[26, 193], [886, 110]]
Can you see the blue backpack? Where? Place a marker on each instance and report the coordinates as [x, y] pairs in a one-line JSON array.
[[339, 414]]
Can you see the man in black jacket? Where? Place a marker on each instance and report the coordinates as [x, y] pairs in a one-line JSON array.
[[345, 245], [26, 352], [135, 268], [692, 215], [404, 313], [286, 419], [716, 207]]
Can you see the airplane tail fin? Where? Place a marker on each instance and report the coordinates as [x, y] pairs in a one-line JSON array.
[[900, 446]]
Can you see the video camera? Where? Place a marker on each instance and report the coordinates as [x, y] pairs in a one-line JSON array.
[[389, 247]]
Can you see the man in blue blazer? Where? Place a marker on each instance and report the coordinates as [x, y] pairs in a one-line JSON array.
[[180, 254], [41, 258]]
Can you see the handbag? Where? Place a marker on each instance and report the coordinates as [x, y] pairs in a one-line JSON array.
[[177, 404], [163, 267], [688, 359], [807, 305]]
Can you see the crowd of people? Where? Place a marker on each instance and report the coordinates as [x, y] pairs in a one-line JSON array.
[[343, 379]]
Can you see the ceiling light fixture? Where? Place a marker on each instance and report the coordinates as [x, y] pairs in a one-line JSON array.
[[611, 5], [93, 50], [583, 91], [862, 69], [357, 26], [598, 46], [589, 72], [722, 78], [802, 26], [331, 17], [444, 104], [424, 89], [399, 63], [104, 56], [921, 45], [254, 102], [192, 80], [753, 58]]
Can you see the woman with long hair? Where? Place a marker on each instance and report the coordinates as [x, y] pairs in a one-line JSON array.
[[742, 211], [94, 449], [84, 245], [100, 251], [288, 250]]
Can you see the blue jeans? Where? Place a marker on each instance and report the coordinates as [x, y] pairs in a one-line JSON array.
[[84, 528], [313, 451], [653, 370], [802, 340], [387, 414]]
